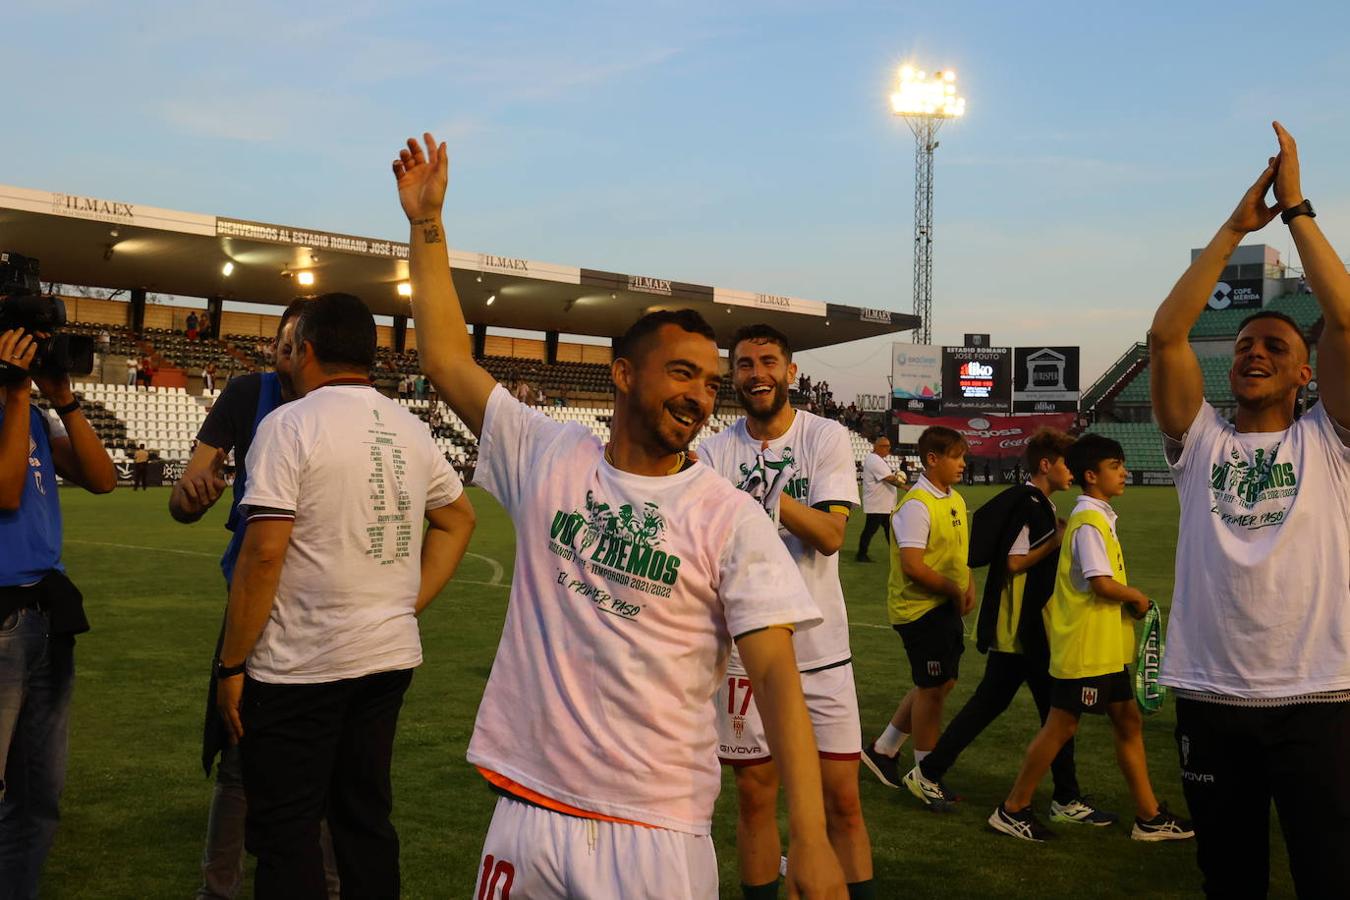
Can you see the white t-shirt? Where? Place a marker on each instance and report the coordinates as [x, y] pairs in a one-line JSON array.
[[910, 523], [878, 495], [626, 593], [1261, 607], [1090, 559], [820, 473], [358, 472]]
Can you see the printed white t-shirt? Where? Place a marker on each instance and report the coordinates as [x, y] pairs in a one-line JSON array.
[[626, 593], [819, 472], [357, 472], [878, 495], [1261, 607]]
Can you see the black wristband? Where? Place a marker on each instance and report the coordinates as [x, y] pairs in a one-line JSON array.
[[224, 671], [68, 408], [1303, 209]]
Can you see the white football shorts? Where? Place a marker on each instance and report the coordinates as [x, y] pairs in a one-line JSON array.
[[831, 699]]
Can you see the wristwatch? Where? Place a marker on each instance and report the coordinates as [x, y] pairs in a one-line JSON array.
[[224, 671], [1303, 209]]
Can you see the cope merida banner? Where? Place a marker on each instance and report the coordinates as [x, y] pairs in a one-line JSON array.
[[1045, 379]]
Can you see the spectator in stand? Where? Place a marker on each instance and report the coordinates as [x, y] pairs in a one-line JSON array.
[[104, 341], [209, 377], [204, 325], [133, 371], [145, 372], [192, 326], [420, 387]]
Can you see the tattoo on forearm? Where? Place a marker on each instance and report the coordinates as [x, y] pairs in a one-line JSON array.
[[431, 231]]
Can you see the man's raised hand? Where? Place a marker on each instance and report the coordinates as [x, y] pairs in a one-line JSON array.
[[1288, 190], [422, 177], [1252, 213]]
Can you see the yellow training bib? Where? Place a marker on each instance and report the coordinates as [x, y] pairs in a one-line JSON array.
[[945, 554], [1089, 636]]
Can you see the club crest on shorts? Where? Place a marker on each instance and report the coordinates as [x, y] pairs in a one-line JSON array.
[[738, 726], [935, 667], [1089, 696]]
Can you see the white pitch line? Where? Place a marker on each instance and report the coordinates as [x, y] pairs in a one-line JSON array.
[[141, 547], [497, 570], [496, 581]]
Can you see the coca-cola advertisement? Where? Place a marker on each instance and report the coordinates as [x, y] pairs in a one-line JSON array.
[[995, 437]]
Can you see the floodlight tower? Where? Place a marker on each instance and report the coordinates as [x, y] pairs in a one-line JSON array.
[[925, 101]]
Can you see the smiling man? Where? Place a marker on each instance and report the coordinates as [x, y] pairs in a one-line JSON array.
[[799, 466], [635, 570], [1258, 645]]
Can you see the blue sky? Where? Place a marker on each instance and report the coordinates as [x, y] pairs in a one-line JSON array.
[[746, 145]]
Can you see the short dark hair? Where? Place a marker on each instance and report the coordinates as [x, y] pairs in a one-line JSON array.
[[941, 440], [1286, 319], [631, 344], [341, 330], [293, 309], [1089, 452], [763, 333], [1046, 443]]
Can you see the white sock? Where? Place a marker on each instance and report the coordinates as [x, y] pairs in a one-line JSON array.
[[891, 740], [919, 755]]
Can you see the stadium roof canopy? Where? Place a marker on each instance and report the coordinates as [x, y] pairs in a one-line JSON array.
[[95, 242]]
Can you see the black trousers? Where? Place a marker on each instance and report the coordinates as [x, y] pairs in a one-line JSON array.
[[311, 750], [138, 475], [1235, 761], [1004, 674], [874, 521]]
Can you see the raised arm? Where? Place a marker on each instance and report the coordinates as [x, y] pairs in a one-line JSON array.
[[1329, 282], [1178, 386], [443, 343]]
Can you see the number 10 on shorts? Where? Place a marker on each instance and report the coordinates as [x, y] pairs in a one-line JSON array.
[[497, 873]]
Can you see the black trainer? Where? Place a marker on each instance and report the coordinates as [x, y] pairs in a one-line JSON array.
[[1022, 824], [886, 768], [1165, 826]]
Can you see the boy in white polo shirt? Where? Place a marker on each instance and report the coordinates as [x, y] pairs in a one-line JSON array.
[[635, 570], [1089, 620], [929, 591]]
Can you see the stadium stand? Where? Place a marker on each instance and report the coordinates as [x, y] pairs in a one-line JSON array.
[[1120, 399]]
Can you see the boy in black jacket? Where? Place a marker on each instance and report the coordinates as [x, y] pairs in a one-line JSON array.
[[1017, 535]]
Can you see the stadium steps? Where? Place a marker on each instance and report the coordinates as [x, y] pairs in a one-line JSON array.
[[1116, 378]]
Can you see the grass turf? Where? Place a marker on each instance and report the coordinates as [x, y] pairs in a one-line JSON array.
[[136, 798]]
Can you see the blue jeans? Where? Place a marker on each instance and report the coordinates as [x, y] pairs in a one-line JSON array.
[[37, 677]]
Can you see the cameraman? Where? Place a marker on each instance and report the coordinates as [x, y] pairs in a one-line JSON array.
[[41, 611]]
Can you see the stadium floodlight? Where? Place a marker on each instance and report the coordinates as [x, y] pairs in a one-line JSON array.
[[305, 278], [404, 289], [227, 270], [492, 298], [925, 101]]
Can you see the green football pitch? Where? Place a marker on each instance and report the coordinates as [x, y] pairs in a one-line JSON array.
[[134, 810]]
